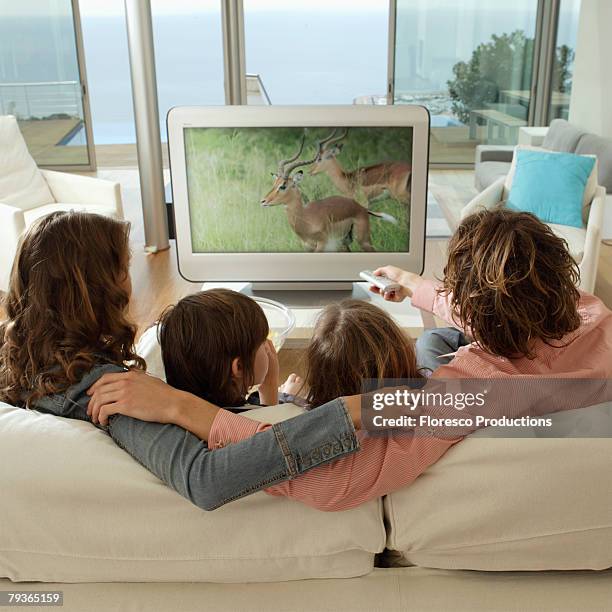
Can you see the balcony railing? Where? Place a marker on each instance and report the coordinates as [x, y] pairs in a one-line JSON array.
[[256, 91], [43, 100]]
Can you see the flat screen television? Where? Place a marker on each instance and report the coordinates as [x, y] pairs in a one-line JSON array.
[[291, 194]]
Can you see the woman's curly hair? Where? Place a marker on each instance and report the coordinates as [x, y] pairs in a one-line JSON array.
[[511, 281], [66, 306]]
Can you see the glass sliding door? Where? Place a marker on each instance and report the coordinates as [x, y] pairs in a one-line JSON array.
[[42, 80], [470, 62]]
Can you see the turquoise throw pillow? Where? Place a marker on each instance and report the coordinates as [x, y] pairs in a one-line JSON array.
[[550, 185]]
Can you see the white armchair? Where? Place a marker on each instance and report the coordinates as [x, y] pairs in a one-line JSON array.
[[583, 243], [28, 193]]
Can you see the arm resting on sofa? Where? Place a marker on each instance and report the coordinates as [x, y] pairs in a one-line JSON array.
[[494, 153], [75, 189], [592, 242], [12, 225], [532, 136]]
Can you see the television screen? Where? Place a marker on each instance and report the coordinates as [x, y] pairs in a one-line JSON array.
[[295, 190]]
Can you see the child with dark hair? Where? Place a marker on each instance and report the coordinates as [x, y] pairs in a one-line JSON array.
[[215, 345]]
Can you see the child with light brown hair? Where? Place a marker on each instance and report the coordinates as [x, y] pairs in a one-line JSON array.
[[353, 341]]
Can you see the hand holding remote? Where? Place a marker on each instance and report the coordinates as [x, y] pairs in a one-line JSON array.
[[406, 283], [381, 282]]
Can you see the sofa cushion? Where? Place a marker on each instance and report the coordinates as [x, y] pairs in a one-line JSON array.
[[403, 589], [149, 349], [21, 183], [590, 144], [575, 238], [562, 136], [502, 503], [486, 173], [77, 508]]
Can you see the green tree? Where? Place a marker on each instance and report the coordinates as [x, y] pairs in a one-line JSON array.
[[562, 75], [505, 62]]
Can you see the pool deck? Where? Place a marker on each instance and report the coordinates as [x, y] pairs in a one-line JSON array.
[[43, 138]]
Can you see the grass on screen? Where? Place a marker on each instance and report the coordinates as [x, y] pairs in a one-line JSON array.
[[229, 171]]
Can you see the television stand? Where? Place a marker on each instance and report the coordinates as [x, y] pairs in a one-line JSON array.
[[306, 305], [308, 295], [300, 295]]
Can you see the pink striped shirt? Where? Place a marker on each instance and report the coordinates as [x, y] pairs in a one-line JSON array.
[[387, 463]]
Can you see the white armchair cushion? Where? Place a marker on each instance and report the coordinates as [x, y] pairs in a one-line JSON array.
[[575, 238], [85, 190], [149, 349], [12, 225], [21, 182], [77, 508], [36, 213]]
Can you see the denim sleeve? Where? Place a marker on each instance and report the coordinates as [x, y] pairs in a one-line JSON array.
[[210, 479]]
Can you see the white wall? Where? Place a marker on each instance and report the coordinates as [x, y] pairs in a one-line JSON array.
[[591, 101]]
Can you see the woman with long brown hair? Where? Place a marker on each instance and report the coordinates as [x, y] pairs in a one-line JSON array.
[[66, 307], [67, 325]]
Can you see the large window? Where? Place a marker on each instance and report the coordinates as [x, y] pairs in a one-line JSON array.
[[470, 63], [40, 81], [317, 51]]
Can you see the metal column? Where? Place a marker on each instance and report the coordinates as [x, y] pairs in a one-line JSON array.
[[543, 61], [232, 15], [391, 52], [146, 117]]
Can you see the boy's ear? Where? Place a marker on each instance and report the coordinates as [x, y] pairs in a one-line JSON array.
[[237, 371]]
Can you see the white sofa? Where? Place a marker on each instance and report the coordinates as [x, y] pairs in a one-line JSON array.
[[584, 243], [28, 193], [78, 513]]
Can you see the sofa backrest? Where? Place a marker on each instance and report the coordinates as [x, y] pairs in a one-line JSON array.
[[590, 144], [77, 508], [21, 182], [565, 137], [562, 136]]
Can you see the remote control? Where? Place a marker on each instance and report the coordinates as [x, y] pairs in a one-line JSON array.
[[385, 284]]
